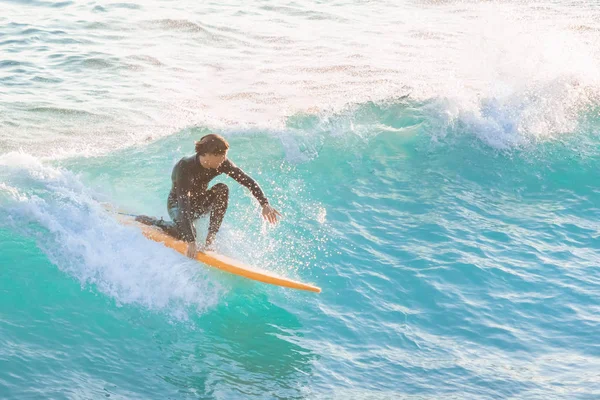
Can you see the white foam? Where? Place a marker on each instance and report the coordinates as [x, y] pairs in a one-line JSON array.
[[537, 62], [523, 79], [90, 246]]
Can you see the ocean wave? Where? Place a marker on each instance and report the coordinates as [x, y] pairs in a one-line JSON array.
[[54, 208]]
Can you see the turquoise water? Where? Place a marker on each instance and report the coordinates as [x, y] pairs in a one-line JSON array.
[[437, 173]]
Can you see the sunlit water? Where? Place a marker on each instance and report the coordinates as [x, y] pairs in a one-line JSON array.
[[436, 164]]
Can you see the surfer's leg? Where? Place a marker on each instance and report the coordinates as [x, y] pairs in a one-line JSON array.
[[170, 228], [146, 220], [218, 199], [173, 228]]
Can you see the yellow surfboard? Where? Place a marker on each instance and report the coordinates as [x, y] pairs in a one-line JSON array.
[[216, 260]]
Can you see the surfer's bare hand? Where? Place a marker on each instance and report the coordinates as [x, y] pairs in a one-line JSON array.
[[270, 214], [191, 250]]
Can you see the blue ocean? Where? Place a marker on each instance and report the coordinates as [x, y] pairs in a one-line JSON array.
[[436, 164]]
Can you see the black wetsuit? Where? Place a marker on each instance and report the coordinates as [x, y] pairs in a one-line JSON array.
[[190, 197]]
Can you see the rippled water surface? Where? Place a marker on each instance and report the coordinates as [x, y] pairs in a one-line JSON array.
[[436, 163]]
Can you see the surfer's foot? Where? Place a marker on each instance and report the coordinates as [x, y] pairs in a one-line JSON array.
[[146, 220], [208, 246]]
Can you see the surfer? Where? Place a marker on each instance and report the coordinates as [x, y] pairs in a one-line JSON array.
[[190, 197]]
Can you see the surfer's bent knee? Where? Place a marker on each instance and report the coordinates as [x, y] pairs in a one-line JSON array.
[[221, 188]]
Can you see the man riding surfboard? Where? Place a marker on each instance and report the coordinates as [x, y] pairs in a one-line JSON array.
[[190, 197]]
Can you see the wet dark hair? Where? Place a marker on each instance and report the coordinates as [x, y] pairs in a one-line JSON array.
[[212, 144]]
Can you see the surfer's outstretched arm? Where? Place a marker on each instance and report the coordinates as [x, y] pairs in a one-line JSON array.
[[268, 212]]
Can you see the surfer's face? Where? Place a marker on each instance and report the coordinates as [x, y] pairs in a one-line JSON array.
[[212, 160]]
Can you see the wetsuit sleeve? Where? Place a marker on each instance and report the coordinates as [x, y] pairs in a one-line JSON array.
[[243, 179], [185, 222]]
